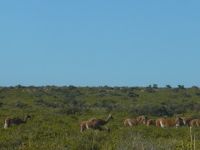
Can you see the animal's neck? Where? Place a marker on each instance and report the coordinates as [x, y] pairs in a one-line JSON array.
[[25, 119], [108, 119], [5, 125]]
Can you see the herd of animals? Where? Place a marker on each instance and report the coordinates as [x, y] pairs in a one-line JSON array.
[[99, 124], [164, 122]]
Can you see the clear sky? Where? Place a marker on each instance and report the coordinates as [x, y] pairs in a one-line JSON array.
[[100, 42]]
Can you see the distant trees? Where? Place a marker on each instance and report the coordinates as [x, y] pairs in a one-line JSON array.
[[168, 86], [181, 87], [151, 88], [155, 86], [71, 87], [195, 87]]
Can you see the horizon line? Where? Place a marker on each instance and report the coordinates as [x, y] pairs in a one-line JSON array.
[[96, 86]]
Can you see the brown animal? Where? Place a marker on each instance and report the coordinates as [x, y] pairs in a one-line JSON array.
[[130, 122], [135, 121], [151, 122], [195, 123], [158, 122], [95, 123], [85, 124], [15, 121], [187, 120], [169, 122], [141, 119]]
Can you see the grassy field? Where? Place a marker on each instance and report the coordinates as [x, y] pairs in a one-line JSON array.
[[57, 112]]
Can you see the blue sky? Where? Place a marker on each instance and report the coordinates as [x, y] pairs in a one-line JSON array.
[[90, 42]]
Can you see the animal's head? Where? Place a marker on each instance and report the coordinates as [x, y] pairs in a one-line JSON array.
[[145, 120], [142, 119], [110, 116], [179, 122], [7, 123], [184, 120], [27, 117]]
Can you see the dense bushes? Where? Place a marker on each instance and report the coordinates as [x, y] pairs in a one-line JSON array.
[[166, 109], [58, 111], [153, 110]]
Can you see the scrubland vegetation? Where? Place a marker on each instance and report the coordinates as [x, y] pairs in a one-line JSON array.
[[57, 112]]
